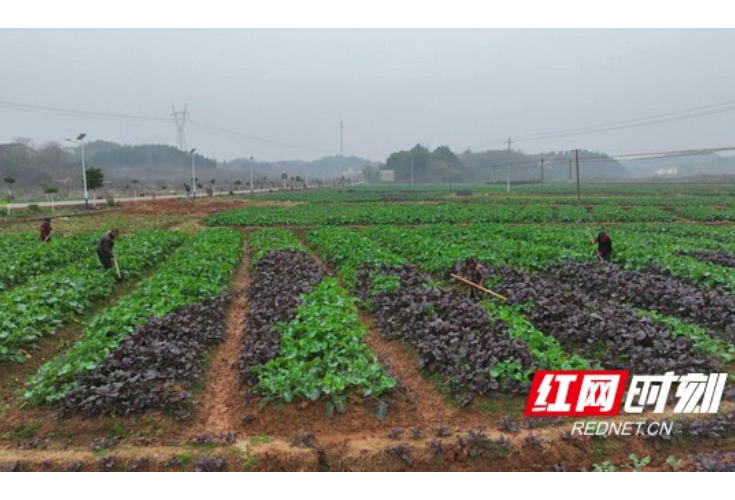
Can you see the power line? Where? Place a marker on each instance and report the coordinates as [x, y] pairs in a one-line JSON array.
[[668, 118], [711, 109], [641, 122], [238, 135], [76, 112], [116, 116], [533, 163]]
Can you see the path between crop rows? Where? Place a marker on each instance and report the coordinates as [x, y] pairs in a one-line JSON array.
[[221, 405], [429, 404]]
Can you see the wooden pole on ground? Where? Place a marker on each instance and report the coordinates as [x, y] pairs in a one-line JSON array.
[[460, 278]]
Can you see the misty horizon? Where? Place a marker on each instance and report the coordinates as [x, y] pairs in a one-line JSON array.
[[281, 95]]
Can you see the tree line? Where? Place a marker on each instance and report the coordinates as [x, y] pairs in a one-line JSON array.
[[421, 165]]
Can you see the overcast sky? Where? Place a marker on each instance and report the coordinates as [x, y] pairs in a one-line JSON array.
[[281, 94]]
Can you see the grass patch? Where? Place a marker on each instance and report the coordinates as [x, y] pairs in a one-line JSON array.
[[23, 431], [501, 404], [261, 439], [249, 462]]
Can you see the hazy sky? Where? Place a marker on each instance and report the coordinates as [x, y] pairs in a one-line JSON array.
[[281, 94]]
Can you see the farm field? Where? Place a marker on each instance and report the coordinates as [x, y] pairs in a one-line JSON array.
[[322, 330]]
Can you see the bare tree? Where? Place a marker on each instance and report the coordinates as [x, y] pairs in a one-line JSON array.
[[9, 180]]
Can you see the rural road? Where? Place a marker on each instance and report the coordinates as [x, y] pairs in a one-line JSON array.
[[101, 201]]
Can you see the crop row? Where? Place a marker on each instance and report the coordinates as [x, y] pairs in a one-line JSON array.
[[22, 262], [707, 214], [701, 338], [714, 309], [436, 249], [199, 269], [476, 353], [597, 326], [265, 241], [622, 195], [9, 242], [348, 251], [577, 285], [46, 303], [721, 236], [365, 214], [154, 367], [303, 337], [323, 353], [640, 251], [280, 280], [719, 258]]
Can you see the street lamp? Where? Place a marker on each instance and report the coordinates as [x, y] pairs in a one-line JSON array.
[[80, 140], [411, 168], [193, 175], [251, 174]]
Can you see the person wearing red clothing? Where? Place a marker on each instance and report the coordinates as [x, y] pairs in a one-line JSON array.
[[46, 230], [604, 246]]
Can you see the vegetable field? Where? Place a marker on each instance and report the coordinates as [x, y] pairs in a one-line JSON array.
[[323, 330]]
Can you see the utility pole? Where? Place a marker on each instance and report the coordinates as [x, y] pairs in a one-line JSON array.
[[193, 175], [411, 168], [341, 139], [576, 157], [507, 168], [570, 170], [251, 174], [283, 174], [542, 171], [80, 138]]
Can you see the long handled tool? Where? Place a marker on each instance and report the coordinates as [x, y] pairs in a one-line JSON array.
[[117, 268], [460, 278]]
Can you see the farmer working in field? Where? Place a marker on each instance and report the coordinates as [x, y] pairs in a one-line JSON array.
[[105, 248], [46, 230], [473, 271], [604, 246]]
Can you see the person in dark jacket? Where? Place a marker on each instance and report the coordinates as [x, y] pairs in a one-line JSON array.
[[473, 271], [46, 230], [604, 246], [105, 248]]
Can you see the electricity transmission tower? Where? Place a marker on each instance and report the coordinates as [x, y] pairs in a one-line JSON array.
[[180, 118]]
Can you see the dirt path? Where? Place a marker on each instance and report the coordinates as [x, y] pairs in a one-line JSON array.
[[430, 407], [222, 402]]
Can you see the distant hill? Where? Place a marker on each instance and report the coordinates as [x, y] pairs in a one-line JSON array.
[[147, 162], [52, 165]]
